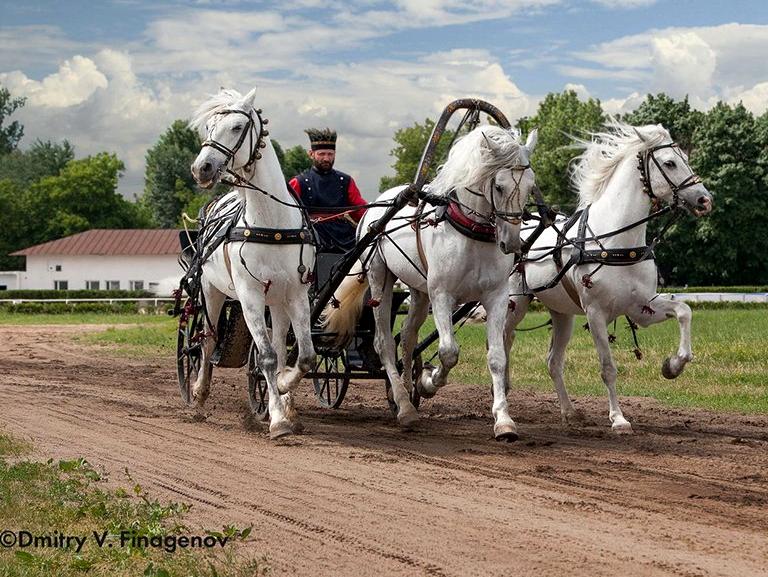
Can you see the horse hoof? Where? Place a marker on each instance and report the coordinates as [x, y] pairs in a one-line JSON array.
[[624, 428], [407, 421], [573, 418], [426, 376], [667, 371], [505, 432], [280, 429]]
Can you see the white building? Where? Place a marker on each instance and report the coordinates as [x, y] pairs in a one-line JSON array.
[[99, 259]]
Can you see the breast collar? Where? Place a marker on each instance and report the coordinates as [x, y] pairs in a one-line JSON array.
[[482, 231]]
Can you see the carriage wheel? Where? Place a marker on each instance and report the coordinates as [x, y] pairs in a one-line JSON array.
[[332, 380], [189, 349], [414, 396], [258, 394]]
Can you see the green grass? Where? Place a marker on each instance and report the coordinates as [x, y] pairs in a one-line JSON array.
[[69, 497], [729, 372], [7, 318]]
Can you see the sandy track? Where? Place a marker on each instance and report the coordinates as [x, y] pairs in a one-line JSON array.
[[686, 495]]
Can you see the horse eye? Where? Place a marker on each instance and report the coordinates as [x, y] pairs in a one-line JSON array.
[[669, 163], [498, 188], [237, 128]]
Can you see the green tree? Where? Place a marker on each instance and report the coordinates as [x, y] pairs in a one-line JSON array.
[[295, 161], [168, 183], [82, 197], [729, 246], [10, 134], [559, 117], [676, 116], [410, 143], [40, 160], [15, 217]]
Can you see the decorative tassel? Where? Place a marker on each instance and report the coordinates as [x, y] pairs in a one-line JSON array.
[[586, 280], [638, 353], [373, 303]]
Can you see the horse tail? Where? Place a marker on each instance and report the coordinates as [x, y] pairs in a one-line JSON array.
[[340, 315]]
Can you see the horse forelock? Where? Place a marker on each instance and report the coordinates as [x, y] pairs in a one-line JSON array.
[[225, 99], [592, 169], [477, 157]]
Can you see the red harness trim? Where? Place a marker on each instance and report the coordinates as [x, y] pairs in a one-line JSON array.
[[481, 229]]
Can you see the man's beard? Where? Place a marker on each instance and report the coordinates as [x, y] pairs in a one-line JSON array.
[[323, 165]]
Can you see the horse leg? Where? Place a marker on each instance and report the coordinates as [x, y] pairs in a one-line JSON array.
[[290, 377], [562, 330], [448, 350], [381, 282], [599, 331], [418, 311], [665, 308], [253, 311], [504, 428], [201, 388], [280, 325]]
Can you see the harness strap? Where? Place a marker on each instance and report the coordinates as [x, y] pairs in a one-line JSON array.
[[417, 230], [468, 227], [270, 235]]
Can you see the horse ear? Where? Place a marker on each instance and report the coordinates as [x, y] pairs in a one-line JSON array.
[[532, 139], [639, 134], [249, 99], [490, 144]]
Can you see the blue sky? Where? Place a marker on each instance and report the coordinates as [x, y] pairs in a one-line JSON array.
[[113, 75]]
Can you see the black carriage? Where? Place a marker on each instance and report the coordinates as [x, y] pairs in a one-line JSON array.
[[334, 367]]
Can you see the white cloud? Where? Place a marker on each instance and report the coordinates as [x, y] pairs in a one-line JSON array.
[[625, 4], [99, 105], [754, 99], [581, 91], [706, 63], [76, 80]]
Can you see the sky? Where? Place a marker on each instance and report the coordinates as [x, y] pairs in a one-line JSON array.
[[112, 75]]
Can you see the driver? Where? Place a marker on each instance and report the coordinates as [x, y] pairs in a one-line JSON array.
[[321, 189]]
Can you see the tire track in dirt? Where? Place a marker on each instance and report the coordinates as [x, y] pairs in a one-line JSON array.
[[354, 496]]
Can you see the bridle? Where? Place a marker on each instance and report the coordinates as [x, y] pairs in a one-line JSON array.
[[513, 218], [253, 144], [644, 162]]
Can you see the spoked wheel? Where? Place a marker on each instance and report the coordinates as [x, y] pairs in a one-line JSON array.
[[414, 396], [189, 348], [258, 394], [332, 379]]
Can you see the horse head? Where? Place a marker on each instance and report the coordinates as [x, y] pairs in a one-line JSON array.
[[668, 176], [233, 132], [508, 193]]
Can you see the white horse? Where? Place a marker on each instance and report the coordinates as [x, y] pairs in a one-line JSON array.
[[257, 274], [619, 176], [489, 178]]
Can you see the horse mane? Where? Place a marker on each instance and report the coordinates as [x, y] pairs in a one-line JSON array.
[[472, 161], [226, 99], [592, 169]]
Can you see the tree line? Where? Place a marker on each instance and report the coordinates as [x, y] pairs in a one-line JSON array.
[[46, 193]]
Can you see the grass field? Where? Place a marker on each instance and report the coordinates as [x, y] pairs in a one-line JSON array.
[[729, 372], [47, 499]]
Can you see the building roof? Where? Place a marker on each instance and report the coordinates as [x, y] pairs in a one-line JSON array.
[[109, 242]]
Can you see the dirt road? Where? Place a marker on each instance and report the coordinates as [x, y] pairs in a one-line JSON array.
[[686, 495]]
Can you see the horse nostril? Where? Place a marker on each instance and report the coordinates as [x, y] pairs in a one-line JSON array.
[[703, 200], [207, 168]]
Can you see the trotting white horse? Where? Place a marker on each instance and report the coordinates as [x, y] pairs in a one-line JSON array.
[[465, 256], [606, 266], [265, 259]]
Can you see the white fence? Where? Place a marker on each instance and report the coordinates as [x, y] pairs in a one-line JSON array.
[[719, 297]]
